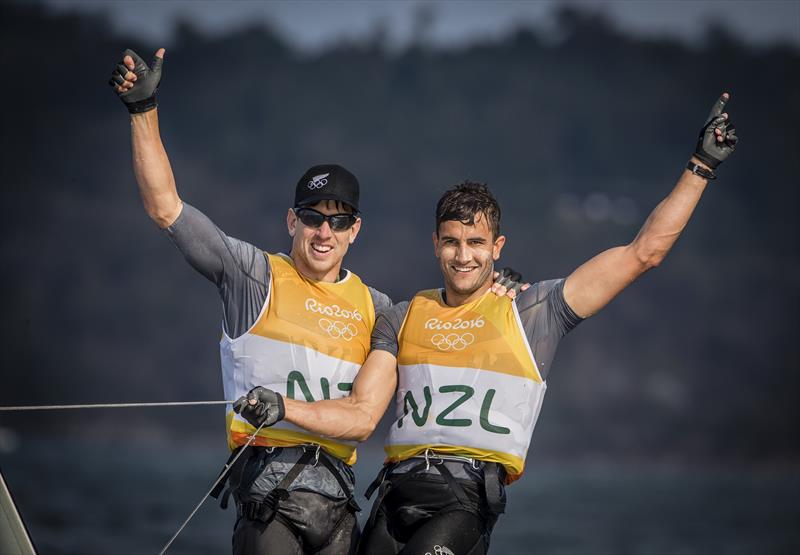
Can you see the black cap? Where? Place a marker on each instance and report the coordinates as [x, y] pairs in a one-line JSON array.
[[327, 182]]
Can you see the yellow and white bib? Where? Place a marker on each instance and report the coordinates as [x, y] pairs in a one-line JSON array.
[[308, 343], [467, 382]]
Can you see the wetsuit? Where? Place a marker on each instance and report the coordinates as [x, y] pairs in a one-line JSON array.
[[432, 501], [314, 511]]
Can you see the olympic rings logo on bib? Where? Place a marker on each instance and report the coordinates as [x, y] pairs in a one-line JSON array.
[[452, 341], [337, 329]]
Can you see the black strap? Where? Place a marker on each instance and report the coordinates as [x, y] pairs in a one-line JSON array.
[[326, 462], [383, 490], [384, 486], [492, 482], [295, 471], [456, 488], [224, 474], [376, 483], [697, 169], [336, 474]]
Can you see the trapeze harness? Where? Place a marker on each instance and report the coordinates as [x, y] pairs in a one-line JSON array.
[[269, 508], [307, 344], [469, 392]]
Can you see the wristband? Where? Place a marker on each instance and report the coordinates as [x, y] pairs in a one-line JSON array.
[[699, 170], [142, 105]]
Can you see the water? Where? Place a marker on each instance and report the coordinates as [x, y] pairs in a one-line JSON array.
[[81, 497]]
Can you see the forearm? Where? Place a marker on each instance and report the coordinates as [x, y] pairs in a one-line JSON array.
[[337, 418], [666, 222], [353, 417], [153, 171]]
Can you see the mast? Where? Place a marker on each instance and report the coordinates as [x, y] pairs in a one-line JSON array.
[[14, 537]]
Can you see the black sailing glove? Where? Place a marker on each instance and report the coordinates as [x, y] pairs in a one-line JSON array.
[[712, 147], [267, 409], [510, 279], [142, 96]]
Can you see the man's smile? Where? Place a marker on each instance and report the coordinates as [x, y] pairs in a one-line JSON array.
[[463, 269], [321, 249]]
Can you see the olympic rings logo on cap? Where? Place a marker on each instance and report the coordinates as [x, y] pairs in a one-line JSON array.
[[337, 329], [318, 181], [452, 341]]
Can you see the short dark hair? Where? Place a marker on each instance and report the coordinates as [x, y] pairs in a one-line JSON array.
[[464, 201]]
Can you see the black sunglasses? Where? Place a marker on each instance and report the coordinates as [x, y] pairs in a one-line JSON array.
[[315, 218]]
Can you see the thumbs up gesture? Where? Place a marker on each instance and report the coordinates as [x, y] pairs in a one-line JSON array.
[[135, 83]]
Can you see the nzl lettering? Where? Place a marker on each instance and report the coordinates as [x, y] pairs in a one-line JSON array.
[[297, 378], [420, 417]]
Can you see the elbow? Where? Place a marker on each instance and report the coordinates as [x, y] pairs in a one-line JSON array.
[[365, 425], [650, 248], [652, 261], [164, 217], [161, 221], [648, 256], [366, 429]]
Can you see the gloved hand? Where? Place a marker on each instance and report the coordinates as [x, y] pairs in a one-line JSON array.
[[261, 406], [135, 83], [508, 282], [717, 137]]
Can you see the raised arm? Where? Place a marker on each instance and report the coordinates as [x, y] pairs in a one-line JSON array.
[[595, 283], [136, 84]]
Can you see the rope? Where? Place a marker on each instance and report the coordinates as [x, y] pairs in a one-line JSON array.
[[166, 404], [114, 405], [222, 475]]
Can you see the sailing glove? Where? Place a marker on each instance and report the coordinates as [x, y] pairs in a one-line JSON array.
[[510, 279], [142, 96], [709, 150], [267, 409]]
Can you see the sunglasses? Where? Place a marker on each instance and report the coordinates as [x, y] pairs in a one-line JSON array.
[[315, 218]]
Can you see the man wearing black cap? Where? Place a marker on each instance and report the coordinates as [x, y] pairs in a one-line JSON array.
[[284, 504], [297, 324]]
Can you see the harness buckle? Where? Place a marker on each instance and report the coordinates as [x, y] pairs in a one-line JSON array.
[[432, 457], [431, 454]]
